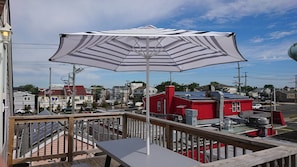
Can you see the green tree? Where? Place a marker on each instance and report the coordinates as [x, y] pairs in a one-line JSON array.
[[94, 105], [29, 87], [178, 87], [248, 88], [214, 83], [104, 105], [85, 104], [269, 86], [268, 90], [68, 104], [96, 91], [59, 107], [161, 87], [192, 86]]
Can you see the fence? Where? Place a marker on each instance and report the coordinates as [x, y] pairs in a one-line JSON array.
[[40, 139]]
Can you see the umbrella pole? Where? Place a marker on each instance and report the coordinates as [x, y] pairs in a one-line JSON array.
[[147, 101]]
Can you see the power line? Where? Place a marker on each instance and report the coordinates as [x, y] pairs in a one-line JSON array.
[[245, 79], [34, 48], [295, 88], [36, 44], [265, 78]]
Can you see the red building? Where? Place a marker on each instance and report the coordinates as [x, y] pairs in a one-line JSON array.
[[207, 105], [212, 108]]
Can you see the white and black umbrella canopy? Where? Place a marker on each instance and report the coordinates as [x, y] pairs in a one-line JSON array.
[[167, 49], [148, 49]]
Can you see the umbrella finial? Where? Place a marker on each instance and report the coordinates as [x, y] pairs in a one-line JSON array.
[[149, 27]]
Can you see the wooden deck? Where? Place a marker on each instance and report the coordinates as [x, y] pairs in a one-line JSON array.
[[79, 133], [97, 161]]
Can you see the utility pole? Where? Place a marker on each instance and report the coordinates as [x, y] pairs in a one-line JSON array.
[[75, 70], [50, 89], [296, 89], [274, 99], [245, 79], [238, 77], [170, 79], [239, 83], [73, 89]]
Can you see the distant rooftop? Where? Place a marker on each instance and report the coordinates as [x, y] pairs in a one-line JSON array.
[[201, 95]]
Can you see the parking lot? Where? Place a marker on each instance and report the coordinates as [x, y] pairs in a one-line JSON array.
[[289, 110]]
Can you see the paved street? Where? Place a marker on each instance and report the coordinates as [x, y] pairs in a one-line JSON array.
[[289, 111]]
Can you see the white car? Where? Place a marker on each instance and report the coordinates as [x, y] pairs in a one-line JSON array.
[[257, 106], [20, 111]]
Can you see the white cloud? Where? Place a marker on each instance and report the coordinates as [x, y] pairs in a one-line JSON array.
[[274, 36], [281, 34], [257, 40], [186, 23], [267, 52], [271, 25], [41, 21], [223, 11], [73, 15]]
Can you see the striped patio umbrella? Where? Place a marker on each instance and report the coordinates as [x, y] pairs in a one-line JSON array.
[[148, 49]]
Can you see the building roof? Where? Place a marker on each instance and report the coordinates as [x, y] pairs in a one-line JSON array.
[[202, 95], [43, 129], [192, 95], [66, 90], [140, 88], [57, 92], [216, 86], [286, 91], [80, 90]]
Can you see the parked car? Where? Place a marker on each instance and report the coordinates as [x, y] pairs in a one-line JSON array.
[[20, 111], [257, 106], [67, 110], [269, 102]]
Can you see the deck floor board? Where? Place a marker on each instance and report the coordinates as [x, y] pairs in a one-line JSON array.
[[97, 161]]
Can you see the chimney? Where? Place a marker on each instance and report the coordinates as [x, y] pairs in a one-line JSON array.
[[169, 93]]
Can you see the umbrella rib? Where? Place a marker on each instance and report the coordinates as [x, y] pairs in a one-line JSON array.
[[95, 58], [217, 48]]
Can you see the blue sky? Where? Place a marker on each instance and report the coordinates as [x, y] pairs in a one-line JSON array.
[[264, 30]]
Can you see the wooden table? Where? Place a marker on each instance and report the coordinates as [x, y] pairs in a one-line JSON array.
[[132, 152]]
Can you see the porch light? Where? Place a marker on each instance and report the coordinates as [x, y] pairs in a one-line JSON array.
[[5, 33]]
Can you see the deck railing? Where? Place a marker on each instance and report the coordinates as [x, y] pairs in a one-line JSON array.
[[59, 137], [40, 139], [211, 147]]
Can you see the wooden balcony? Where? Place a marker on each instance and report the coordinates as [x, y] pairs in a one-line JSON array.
[[65, 140]]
